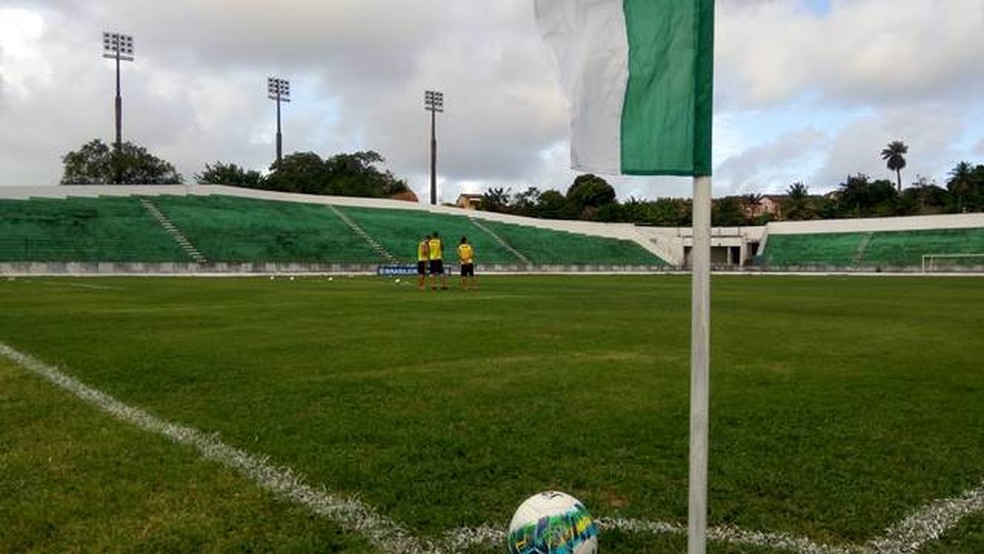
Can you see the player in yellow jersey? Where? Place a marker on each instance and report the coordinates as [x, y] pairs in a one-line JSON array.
[[422, 258], [436, 255], [466, 256]]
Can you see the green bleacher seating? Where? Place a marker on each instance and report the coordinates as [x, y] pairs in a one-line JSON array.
[[399, 231], [76, 229], [238, 229], [547, 246], [834, 249], [496, 242], [234, 229], [906, 248], [871, 249]]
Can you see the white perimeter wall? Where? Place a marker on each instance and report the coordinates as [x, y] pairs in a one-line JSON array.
[[909, 223]]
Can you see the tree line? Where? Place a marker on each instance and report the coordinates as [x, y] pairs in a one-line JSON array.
[[592, 198], [354, 174], [589, 197]]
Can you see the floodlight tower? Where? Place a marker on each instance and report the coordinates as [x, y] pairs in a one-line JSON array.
[[119, 47], [433, 102], [279, 90]]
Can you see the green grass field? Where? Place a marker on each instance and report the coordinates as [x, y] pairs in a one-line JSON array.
[[839, 406]]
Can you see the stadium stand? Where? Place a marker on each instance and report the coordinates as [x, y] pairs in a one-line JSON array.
[[497, 242], [834, 249], [549, 247], [214, 228], [82, 229], [233, 229], [399, 231], [906, 248], [871, 249], [225, 228]]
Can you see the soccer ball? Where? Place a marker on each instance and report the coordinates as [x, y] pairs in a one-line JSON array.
[[552, 523]]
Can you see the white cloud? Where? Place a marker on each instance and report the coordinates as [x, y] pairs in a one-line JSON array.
[[770, 167], [862, 51], [928, 132], [806, 90]]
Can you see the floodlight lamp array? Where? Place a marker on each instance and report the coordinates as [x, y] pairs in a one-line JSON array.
[[278, 89], [433, 101], [118, 45]]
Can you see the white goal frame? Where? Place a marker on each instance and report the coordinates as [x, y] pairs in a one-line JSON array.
[[927, 259]]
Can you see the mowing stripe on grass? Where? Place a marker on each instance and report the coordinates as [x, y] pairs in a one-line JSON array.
[[908, 536], [350, 513]]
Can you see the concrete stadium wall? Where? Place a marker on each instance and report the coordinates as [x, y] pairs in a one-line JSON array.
[[908, 223]]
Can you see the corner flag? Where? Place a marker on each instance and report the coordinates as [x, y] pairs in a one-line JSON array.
[[639, 75]]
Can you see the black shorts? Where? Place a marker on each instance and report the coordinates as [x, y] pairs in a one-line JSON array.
[[421, 267], [467, 270], [437, 267]]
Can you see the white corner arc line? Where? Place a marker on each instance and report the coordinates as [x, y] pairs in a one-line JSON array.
[[350, 513], [929, 523], [906, 537]]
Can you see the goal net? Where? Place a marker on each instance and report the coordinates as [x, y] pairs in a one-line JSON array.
[[951, 262]]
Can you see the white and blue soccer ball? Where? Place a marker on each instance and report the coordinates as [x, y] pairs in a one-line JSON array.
[[552, 523]]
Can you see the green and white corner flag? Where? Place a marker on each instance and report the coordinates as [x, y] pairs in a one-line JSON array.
[[639, 75]]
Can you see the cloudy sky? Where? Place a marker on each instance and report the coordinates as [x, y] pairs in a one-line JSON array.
[[805, 90]]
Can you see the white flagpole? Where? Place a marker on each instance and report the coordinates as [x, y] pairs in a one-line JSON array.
[[700, 323]]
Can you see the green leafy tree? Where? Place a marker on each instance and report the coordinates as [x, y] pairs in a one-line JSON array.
[[929, 197], [858, 196], [553, 205], [229, 174], [588, 194], [728, 212], [526, 203], [672, 212], [894, 156], [496, 199], [609, 213], [300, 172], [97, 163], [356, 174], [635, 210], [353, 174]]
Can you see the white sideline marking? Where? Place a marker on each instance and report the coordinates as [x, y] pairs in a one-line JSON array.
[[906, 537]]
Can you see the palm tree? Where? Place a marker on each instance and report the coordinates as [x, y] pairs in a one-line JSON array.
[[894, 154], [961, 183], [797, 206]]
